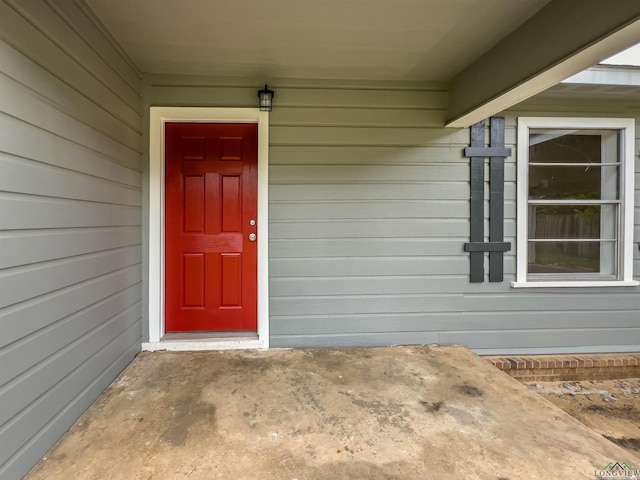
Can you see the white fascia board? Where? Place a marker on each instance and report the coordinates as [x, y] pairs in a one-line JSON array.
[[607, 76]]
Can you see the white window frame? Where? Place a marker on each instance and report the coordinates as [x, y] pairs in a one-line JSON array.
[[626, 127]]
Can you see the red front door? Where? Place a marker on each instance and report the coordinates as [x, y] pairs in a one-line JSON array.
[[211, 209]]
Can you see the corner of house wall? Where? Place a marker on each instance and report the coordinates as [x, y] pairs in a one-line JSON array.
[[146, 104]]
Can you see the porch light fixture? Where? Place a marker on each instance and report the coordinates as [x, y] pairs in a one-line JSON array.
[[265, 98]]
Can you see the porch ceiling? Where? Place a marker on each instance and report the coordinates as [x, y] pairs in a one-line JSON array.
[[493, 53], [345, 39]]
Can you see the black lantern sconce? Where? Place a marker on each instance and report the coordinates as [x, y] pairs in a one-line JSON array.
[[265, 98]]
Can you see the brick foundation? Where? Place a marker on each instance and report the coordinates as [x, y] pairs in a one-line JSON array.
[[553, 368]]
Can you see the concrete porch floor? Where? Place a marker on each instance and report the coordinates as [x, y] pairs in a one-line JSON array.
[[307, 414]]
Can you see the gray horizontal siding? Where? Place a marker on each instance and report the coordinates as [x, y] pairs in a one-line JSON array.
[[48, 148], [380, 191], [30, 177], [373, 209], [445, 228], [179, 91], [39, 32], [369, 213], [70, 221], [363, 155], [463, 304], [31, 212], [356, 247], [346, 117], [444, 171], [360, 266], [37, 246], [53, 307], [289, 287], [22, 283], [18, 102], [487, 323], [366, 136]]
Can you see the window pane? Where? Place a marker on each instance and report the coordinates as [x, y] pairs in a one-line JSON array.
[[577, 146], [572, 257], [587, 179], [573, 221], [573, 183]]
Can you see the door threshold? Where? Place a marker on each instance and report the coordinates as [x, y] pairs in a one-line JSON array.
[[192, 341], [214, 336]]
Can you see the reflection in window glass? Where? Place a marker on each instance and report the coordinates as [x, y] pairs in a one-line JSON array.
[[557, 146], [572, 166], [570, 257]]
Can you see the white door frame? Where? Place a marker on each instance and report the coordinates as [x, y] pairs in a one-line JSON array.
[[158, 117]]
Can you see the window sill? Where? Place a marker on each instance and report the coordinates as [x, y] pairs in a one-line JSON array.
[[577, 283]]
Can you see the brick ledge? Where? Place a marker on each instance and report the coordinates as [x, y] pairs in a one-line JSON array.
[[550, 368]]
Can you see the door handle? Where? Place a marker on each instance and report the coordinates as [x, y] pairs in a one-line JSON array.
[[252, 237]]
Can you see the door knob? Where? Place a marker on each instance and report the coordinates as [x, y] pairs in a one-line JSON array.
[[252, 237]]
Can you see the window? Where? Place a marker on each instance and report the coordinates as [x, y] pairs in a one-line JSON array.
[[575, 202]]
